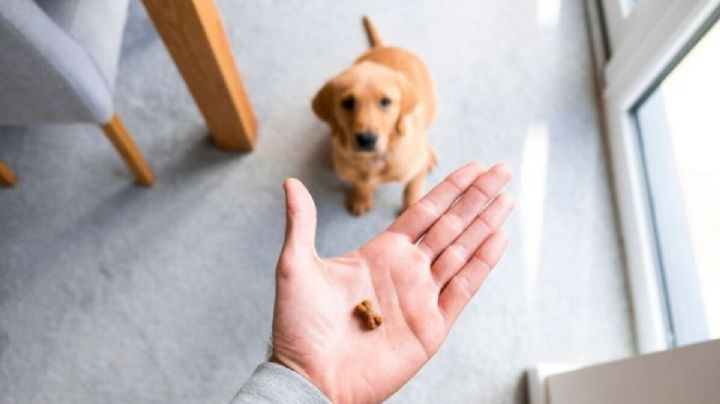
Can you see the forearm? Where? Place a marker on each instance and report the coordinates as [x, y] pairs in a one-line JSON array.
[[274, 383]]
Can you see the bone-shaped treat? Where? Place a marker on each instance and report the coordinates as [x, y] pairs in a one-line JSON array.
[[365, 311]]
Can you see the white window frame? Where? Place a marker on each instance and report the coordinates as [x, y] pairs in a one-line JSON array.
[[644, 40]]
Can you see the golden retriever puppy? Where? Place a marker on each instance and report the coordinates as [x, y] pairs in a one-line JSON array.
[[379, 111]]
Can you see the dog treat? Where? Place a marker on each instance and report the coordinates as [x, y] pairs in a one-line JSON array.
[[371, 319]]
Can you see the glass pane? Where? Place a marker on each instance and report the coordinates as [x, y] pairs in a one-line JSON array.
[[692, 102], [679, 126]]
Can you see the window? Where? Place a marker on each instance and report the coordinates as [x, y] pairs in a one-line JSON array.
[[658, 69], [678, 125]]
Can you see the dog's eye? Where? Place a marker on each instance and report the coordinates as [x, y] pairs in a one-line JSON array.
[[385, 101], [348, 103]]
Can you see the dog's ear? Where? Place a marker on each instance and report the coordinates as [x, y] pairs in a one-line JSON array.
[[322, 104], [408, 102]]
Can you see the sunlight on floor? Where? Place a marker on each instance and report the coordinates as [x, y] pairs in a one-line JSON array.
[[532, 189]]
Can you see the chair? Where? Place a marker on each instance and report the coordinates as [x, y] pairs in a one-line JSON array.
[[58, 62]]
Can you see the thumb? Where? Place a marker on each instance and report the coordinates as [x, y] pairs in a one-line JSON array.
[[301, 219]]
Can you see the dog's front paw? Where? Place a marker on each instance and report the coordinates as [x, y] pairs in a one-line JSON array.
[[358, 204], [432, 163]]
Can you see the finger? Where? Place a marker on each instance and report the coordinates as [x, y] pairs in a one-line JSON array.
[[415, 221], [461, 214], [301, 218], [459, 252], [463, 286]]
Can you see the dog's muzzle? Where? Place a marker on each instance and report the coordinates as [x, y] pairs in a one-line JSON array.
[[366, 141]]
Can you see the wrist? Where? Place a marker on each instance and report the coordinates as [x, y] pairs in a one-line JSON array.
[[295, 368]]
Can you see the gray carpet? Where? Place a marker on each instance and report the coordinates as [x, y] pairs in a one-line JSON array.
[[115, 294]]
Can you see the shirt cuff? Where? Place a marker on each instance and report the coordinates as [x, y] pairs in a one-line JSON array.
[[274, 383]]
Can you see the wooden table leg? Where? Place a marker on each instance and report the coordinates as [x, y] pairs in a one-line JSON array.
[[194, 35]]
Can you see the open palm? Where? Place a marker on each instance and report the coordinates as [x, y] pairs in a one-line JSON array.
[[419, 274]]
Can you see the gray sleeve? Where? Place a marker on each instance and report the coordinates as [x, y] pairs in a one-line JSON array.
[[273, 383]]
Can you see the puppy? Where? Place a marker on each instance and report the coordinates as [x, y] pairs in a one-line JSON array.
[[379, 111]]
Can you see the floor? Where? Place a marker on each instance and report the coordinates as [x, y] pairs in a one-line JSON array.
[[111, 293]]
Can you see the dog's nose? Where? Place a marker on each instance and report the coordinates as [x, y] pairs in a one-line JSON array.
[[366, 141]]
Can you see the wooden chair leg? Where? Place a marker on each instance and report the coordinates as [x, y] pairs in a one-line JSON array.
[[7, 176], [120, 138]]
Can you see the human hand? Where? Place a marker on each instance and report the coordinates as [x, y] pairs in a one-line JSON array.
[[419, 274]]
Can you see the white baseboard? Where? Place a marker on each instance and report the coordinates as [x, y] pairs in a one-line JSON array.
[[536, 376]]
